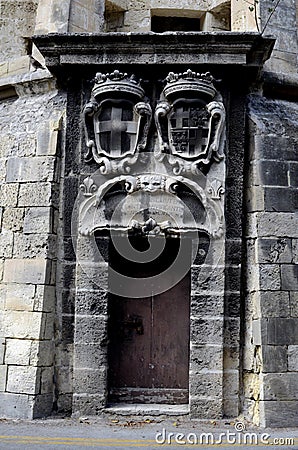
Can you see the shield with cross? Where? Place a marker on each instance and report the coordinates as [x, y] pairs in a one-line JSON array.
[[189, 129], [116, 128]]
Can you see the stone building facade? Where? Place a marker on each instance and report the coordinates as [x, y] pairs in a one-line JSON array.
[[171, 127]]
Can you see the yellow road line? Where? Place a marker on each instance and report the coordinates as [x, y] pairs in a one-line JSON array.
[[75, 439], [111, 442]]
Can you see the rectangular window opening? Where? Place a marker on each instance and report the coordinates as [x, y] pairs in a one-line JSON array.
[[162, 24]]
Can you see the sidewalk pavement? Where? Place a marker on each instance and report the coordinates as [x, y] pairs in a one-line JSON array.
[[58, 433]]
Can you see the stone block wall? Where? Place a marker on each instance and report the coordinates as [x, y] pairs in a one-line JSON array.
[[137, 15], [282, 24], [272, 270], [29, 202], [86, 15], [17, 23], [206, 341], [74, 16], [90, 338]]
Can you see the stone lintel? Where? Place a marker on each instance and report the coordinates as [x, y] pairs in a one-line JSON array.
[[228, 48]]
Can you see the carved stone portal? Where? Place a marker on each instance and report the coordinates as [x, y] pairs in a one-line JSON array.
[[155, 204]]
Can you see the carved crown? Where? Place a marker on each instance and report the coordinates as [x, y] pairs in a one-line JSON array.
[[117, 83], [189, 82]]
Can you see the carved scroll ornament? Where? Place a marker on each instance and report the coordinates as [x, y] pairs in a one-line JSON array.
[[94, 196]]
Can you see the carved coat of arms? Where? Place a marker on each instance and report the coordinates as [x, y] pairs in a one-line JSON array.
[[190, 121], [188, 129], [117, 121]]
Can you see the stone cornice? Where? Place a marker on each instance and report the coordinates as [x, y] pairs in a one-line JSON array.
[[227, 48]]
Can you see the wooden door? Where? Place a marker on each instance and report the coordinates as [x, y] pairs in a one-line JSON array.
[[149, 338]]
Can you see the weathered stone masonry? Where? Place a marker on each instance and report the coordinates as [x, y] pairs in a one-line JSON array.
[[220, 345], [54, 335], [272, 253], [30, 154]]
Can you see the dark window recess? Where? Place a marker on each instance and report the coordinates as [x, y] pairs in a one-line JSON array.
[[114, 16], [161, 24], [7, 92]]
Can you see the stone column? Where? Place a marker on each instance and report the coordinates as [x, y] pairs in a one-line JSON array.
[[206, 339], [90, 340]]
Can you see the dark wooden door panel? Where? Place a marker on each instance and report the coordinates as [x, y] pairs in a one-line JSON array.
[[129, 335], [171, 336], [149, 345]]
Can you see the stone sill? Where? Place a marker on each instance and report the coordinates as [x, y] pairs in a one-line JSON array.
[[226, 48], [25, 77], [124, 409], [21, 84]]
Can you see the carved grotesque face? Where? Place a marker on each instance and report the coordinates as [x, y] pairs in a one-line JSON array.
[[151, 183]]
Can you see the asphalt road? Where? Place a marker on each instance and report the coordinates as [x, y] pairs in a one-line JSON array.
[[87, 433]]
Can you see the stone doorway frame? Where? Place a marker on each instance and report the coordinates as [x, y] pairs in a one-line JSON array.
[[91, 339]]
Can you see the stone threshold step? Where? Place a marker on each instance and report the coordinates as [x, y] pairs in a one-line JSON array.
[[153, 409]]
